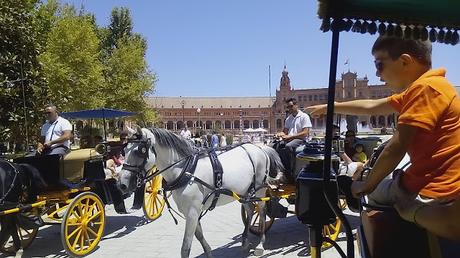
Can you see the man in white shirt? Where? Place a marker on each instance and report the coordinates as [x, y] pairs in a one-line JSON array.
[[296, 131], [186, 133], [55, 133]]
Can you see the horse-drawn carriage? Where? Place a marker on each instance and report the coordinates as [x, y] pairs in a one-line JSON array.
[[427, 20], [71, 191]]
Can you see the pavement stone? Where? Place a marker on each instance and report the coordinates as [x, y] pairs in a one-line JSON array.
[[130, 235]]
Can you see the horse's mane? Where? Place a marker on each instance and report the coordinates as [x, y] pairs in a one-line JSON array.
[[165, 138]]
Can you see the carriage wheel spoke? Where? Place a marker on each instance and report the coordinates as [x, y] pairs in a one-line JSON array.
[[73, 232], [75, 242], [88, 239], [95, 215], [92, 232]]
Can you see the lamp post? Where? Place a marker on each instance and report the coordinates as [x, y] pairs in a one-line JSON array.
[[198, 110], [182, 102], [241, 121]]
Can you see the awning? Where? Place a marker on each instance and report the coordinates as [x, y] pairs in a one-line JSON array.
[[419, 19], [103, 113]]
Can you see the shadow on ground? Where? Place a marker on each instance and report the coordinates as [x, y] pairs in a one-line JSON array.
[[48, 240], [286, 236]]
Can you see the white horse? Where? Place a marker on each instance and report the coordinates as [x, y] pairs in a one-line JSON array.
[[245, 167]]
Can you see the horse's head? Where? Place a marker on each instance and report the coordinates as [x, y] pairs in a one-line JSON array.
[[19, 182], [140, 156]]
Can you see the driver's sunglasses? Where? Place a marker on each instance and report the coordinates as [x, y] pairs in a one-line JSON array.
[[289, 106], [47, 113]]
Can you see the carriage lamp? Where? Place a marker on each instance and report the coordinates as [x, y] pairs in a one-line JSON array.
[[102, 148]]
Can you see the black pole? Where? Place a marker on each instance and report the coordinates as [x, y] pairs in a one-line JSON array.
[[103, 118], [24, 108], [328, 147]]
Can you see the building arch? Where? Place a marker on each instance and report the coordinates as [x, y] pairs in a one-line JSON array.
[[170, 125], [255, 124], [227, 124], [245, 124], [179, 125], [236, 124], [381, 121], [373, 121], [208, 125]]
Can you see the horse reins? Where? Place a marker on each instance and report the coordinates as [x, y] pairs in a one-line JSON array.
[[16, 174]]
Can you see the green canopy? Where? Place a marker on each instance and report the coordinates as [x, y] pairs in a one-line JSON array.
[[437, 20]]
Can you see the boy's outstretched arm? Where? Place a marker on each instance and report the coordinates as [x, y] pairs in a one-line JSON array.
[[355, 107]]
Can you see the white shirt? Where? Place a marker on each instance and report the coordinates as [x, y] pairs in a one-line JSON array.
[[52, 131], [186, 134], [223, 141], [296, 124]]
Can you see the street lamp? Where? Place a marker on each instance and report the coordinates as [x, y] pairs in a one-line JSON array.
[[241, 121], [182, 102], [198, 110]]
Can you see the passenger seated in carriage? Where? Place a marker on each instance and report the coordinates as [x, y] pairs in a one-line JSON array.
[[55, 133], [296, 131], [428, 127]]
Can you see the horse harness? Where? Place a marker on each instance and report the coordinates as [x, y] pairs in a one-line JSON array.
[[188, 170], [16, 175]]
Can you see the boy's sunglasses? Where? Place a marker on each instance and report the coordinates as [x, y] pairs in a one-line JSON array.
[[379, 65]]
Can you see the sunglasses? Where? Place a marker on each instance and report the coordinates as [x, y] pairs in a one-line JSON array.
[[290, 106], [46, 113], [379, 65]]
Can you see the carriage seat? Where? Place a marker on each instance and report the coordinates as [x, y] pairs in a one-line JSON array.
[[388, 235], [72, 166]]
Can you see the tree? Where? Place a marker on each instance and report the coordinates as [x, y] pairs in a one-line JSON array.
[[126, 71], [128, 77], [20, 70], [71, 63]]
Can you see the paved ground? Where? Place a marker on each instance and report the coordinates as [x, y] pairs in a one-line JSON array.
[[131, 236]]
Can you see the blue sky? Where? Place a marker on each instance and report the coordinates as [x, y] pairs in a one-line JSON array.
[[224, 47]]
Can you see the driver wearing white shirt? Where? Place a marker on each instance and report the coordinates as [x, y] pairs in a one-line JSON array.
[[296, 131], [55, 134]]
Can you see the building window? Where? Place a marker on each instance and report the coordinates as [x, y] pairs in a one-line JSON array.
[[315, 97], [310, 98], [278, 123]]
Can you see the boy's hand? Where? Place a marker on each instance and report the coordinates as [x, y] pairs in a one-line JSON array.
[[316, 110], [360, 188]]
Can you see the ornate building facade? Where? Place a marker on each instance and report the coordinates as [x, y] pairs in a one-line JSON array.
[[234, 114]]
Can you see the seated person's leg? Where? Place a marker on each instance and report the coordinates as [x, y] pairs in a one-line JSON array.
[[60, 150], [290, 156]]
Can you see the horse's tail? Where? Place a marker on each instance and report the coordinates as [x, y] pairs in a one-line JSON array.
[[275, 161]]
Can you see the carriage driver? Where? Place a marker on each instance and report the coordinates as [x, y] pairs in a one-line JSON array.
[[55, 134], [295, 133]]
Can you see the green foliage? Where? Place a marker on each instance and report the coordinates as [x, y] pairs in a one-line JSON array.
[[20, 71], [71, 64], [65, 58]]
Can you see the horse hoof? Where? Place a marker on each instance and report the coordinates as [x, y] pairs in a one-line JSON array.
[[19, 253], [259, 251]]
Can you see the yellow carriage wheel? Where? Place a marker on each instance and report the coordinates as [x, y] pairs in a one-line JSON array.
[[83, 224], [154, 201], [26, 235], [254, 226], [332, 230]]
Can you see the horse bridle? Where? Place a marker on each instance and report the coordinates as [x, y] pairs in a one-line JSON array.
[[16, 174], [143, 152]]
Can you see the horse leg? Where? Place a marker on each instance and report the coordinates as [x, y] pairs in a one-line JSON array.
[[190, 229], [259, 250], [249, 208], [199, 235]]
